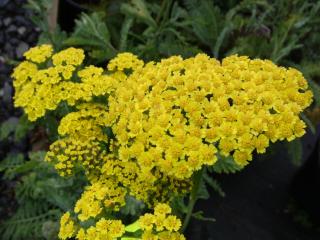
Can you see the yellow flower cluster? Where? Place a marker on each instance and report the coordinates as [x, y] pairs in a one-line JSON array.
[[67, 226], [81, 145], [39, 54], [173, 115], [157, 123], [71, 152], [68, 57], [160, 225], [125, 61], [103, 230], [98, 196], [170, 118], [43, 87]]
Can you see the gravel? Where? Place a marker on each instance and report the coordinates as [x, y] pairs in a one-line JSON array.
[[17, 35], [21, 30], [7, 21], [22, 47], [3, 2], [17, 32]]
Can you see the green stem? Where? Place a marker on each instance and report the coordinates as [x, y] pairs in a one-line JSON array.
[[197, 177], [189, 214], [163, 5]]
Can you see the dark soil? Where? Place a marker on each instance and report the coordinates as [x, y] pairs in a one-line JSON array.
[[260, 202], [305, 183], [17, 34]]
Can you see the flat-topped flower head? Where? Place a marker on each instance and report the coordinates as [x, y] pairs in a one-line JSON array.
[[39, 88], [39, 54], [160, 225], [69, 56], [125, 61], [234, 107], [67, 227]]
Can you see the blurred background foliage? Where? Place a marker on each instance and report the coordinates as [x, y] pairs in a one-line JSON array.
[[286, 32]]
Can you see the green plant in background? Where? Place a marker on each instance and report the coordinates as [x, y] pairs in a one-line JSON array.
[[151, 30], [17, 128], [275, 30], [92, 33], [40, 9]]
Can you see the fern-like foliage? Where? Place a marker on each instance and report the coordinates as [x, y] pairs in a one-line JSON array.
[[41, 195], [92, 34], [10, 163], [225, 165], [208, 24], [214, 184], [7, 127], [138, 9], [27, 221], [156, 30], [18, 128]]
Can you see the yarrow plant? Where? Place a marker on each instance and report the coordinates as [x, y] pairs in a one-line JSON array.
[[145, 130]]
